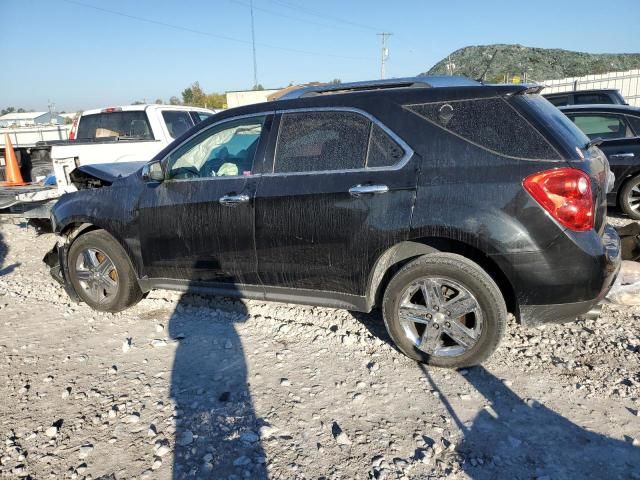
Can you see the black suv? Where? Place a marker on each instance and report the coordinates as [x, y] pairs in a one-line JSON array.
[[584, 97], [616, 130], [445, 202]]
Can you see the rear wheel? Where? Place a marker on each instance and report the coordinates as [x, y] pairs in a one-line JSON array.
[[630, 198], [444, 310], [101, 274]]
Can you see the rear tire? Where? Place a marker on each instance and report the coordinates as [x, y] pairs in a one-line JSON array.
[[101, 273], [630, 198], [444, 310]]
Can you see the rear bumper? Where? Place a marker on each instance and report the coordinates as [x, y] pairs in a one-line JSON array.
[[566, 280]]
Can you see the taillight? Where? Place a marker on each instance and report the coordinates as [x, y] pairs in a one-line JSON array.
[[566, 194]]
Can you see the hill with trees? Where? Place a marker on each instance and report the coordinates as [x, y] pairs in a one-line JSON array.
[[504, 62]]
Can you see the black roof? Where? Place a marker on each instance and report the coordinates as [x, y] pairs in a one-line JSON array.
[[591, 90], [605, 107], [415, 89], [407, 82]]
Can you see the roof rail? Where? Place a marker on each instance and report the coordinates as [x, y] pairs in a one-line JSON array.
[[408, 82]]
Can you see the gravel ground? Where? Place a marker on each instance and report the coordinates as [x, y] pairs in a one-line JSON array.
[[186, 387]]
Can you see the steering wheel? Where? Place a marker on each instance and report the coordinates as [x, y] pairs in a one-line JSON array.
[[185, 172]]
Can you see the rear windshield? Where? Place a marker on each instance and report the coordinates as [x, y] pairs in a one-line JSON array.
[[128, 125], [555, 122]]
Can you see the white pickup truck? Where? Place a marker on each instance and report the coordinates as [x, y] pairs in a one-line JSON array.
[[108, 135]]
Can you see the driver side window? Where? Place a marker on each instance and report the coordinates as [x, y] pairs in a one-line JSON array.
[[227, 150]]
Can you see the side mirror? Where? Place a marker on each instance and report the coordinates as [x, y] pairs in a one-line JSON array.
[[152, 172]]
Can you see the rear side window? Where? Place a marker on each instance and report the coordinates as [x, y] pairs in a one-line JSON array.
[[559, 101], [125, 125], [588, 98], [490, 123], [177, 122], [325, 141], [199, 116], [602, 126], [635, 124], [383, 150], [317, 141]]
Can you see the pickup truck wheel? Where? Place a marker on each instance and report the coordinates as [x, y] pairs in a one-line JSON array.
[[444, 310], [630, 198], [101, 274]]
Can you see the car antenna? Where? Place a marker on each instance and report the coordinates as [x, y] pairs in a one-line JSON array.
[[481, 77]]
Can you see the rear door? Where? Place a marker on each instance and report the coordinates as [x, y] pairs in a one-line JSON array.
[[338, 192]]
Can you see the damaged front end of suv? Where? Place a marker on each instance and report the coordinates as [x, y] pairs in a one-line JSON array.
[[97, 204]]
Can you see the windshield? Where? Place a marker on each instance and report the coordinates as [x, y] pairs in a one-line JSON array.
[[123, 125], [554, 121]]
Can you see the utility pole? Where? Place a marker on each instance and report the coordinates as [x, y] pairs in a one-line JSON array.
[[384, 53], [253, 44]]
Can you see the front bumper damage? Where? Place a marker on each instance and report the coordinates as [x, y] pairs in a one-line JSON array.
[[56, 259]]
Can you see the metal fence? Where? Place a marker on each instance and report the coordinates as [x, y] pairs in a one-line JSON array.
[[627, 82]]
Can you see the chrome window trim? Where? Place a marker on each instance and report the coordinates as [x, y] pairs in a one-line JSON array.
[[165, 159], [408, 151]]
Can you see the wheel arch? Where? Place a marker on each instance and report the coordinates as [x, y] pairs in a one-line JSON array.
[[400, 254], [75, 229]]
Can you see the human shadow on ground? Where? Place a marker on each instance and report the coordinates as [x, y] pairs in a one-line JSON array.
[[514, 438], [4, 250], [216, 428], [517, 438]]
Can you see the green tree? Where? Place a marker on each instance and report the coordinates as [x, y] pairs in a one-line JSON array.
[[159, 101], [335, 81], [258, 87], [194, 95], [174, 100]]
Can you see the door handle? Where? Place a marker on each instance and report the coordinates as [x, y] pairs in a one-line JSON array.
[[623, 155], [233, 200], [359, 190]]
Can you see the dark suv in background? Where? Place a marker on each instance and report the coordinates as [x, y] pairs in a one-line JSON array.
[[585, 97], [616, 130], [445, 202]]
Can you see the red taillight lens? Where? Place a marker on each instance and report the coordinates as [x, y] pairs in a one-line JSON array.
[[566, 194]]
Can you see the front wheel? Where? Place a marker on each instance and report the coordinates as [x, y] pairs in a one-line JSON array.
[[101, 273], [444, 310], [630, 198]]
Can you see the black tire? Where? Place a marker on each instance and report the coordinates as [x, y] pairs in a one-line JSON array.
[[628, 198], [466, 274], [126, 291]]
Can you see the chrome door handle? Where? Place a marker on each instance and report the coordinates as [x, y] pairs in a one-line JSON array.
[[233, 200], [359, 190], [623, 155]]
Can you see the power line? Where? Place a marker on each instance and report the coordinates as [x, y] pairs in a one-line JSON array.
[[284, 15], [208, 34], [315, 13]]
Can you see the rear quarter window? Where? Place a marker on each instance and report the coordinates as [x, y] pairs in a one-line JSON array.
[[490, 123], [588, 98], [177, 122], [131, 124]]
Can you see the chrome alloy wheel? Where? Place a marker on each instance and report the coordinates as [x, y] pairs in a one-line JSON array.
[[440, 316], [97, 275], [633, 197]]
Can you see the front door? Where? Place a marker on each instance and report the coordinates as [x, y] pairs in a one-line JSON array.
[[337, 194], [198, 225]]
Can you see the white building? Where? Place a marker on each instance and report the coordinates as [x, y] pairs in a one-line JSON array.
[[248, 97], [25, 119]]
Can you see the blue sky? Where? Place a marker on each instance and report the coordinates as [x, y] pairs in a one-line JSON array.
[[82, 57]]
